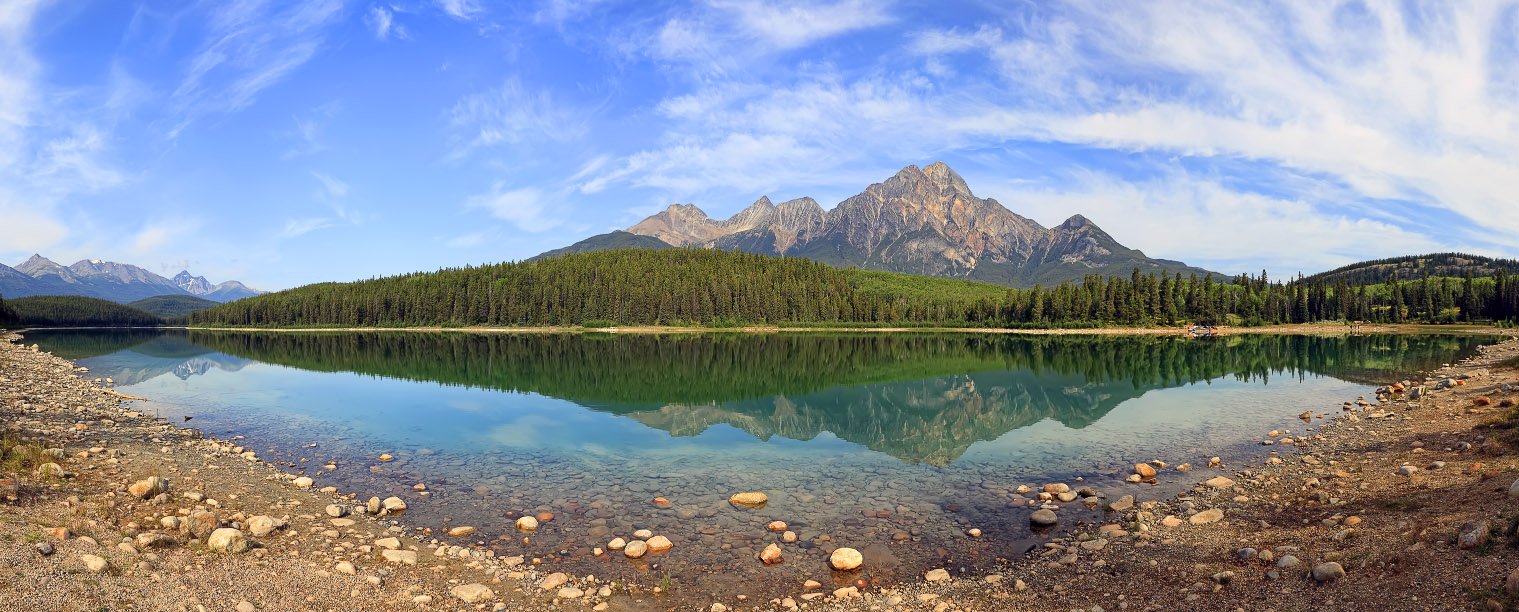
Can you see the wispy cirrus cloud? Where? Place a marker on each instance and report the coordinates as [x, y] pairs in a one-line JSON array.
[[463, 10], [513, 114], [249, 46], [526, 208], [1375, 104]]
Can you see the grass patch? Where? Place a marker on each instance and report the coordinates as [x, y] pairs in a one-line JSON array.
[[1401, 505], [19, 455]]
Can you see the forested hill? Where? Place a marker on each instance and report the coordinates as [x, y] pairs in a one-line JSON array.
[[1414, 267], [76, 311], [718, 288], [630, 286]]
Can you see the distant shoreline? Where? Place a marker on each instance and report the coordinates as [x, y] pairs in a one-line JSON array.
[[1317, 329]]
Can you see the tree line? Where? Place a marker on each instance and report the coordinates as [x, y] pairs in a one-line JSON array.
[[73, 311], [719, 288]]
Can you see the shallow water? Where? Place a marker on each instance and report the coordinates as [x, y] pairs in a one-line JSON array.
[[893, 444]]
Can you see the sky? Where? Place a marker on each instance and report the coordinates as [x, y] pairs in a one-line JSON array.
[[283, 143]]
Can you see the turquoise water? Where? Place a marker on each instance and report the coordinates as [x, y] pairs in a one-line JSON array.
[[894, 444]]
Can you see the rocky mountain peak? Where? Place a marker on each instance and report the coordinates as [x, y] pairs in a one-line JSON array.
[[1076, 222], [946, 179]]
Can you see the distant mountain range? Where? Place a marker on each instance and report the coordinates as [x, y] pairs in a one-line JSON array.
[[109, 280], [921, 221]]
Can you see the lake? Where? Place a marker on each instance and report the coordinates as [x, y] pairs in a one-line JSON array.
[[895, 444]]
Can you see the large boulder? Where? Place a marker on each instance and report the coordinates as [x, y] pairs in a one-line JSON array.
[[228, 540]]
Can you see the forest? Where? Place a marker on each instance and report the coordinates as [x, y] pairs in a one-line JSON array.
[[73, 311], [722, 289]]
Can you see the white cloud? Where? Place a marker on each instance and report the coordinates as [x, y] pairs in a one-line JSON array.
[[510, 114], [1366, 108], [1205, 223], [156, 234], [303, 226], [331, 187], [249, 47], [790, 25], [339, 216], [524, 208], [463, 10], [382, 20]]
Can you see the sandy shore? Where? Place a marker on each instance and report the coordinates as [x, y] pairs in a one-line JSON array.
[[1334, 494], [1329, 329]]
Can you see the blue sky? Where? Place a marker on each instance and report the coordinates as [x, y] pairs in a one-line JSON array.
[[282, 143]]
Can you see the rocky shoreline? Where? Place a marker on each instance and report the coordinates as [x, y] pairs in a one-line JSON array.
[[139, 513]]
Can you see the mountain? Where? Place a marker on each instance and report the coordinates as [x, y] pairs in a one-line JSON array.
[[193, 285], [606, 242], [230, 291], [172, 306], [1413, 267], [921, 221], [108, 280]]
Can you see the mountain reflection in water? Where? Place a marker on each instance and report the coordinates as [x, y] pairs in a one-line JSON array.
[[921, 398]]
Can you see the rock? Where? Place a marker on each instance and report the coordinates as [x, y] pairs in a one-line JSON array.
[[52, 470], [1122, 504], [149, 487], [617, 544], [169, 522], [553, 581], [473, 592], [749, 499], [303, 482], [202, 523], [789, 537], [1407, 470], [771, 555], [261, 526], [635, 549], [1511, 584], [659, 543], [527, 523], [461, 531], [154, 540], [1206, 516], [393, 504], [569, 592], [1513, 489], [937, 575], [44, 549], [1473, 535], [1056, 488], [94, 564], [227, 540], [388, 543], [336, 511], [845, 559], [245, 606], [643, 534], [1287, 562], [405, 557], [1219, 482], [1144, 470], [776, 526], [1043, 517], [973, 532], [1328, 571], [344, 567], [373, 505]]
